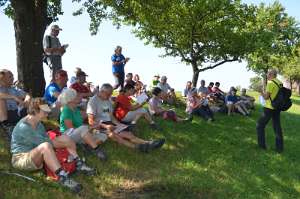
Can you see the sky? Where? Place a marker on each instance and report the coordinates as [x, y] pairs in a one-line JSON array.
[[93, 53]]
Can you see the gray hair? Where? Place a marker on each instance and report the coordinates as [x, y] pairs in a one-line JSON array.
[[272, 72], [67, 95], [106, 87]]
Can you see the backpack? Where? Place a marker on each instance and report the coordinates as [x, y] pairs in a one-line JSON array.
[[282, 101], [45, 56], [62, 155]]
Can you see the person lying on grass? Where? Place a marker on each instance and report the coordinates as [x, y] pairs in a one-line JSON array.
[[234, 103], [156, 109], [100, 116], [31, 147], [127, 112], [198, 105], [71, 123]]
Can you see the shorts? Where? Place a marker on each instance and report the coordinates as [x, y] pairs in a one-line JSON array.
[[77, 134], [24, 161], [130, 116]]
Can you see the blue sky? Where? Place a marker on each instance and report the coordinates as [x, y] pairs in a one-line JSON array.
[[92, 53]]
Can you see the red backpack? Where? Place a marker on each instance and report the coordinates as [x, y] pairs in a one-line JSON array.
[[62, 155]]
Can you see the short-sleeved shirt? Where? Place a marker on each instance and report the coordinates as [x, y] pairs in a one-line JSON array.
[[49, 93], [154, 103], [203, 90], [11, 104], [118, 68], [164, 87], [80, 88], [273, 89], [232, 98], [25, 138], [123, 106], [68, 114], [186, 92], [155, 82], [101, 109], [51, 42]]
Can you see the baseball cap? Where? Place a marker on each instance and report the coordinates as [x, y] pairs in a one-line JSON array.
[[45, 107], [55, 27]]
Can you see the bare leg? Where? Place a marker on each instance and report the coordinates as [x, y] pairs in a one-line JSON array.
[[45, 153], [128, 135], [65, 141], [230, 108], [240, 109], [3, 110], [88, 139], [115, 137]]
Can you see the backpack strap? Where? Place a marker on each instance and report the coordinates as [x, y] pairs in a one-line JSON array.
[[49, 40], [276, 84]]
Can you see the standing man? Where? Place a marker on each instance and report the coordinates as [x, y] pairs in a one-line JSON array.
[[54, 50], [269, 112], [118, 63]]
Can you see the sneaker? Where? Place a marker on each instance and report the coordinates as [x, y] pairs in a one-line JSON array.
[[143, 147], [83, 168], [70, 184], [157, 143], [100, 153]]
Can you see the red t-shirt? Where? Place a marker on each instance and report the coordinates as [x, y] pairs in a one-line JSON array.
[[80, 88], [123, 103]]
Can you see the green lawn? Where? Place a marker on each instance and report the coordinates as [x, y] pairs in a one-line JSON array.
[[199, 160]]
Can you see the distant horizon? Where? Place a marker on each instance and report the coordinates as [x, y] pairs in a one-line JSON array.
[[92, 53]]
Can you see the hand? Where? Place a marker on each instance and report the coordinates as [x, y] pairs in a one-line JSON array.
[[19, 100], [127, 59]]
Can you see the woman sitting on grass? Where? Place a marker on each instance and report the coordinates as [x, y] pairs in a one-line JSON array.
[[126, 112], [234, 103], [155, 107], [31, 147], [198, 105], [71, 124]]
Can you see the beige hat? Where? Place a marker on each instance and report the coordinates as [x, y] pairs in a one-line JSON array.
[[45, 107], [55, 27]]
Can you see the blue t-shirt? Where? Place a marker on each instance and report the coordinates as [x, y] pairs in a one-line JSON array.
[[232, 98], [118, 68], [50, 90]]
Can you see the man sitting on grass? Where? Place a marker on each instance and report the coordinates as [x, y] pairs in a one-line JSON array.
[[234, 103], [31, 147], [100, 116]]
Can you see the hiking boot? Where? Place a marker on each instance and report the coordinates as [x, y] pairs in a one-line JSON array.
[[143, 147], [70, 184], [100, 153], [157, 143], [83, 168]]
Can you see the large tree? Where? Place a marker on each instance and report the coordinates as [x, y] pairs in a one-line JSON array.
[[204, 34], [277, 35], [31, 18]]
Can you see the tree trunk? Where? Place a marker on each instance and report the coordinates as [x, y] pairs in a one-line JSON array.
[[30, 22], [298, 87], [195, 74], [291, 84], [265, 80]]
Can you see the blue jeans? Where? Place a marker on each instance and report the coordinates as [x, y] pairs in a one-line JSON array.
[[203, 111]]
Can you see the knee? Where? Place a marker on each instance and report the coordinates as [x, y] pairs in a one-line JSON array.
[[84, 129], [46, 146]]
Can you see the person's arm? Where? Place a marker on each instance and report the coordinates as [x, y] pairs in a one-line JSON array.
[[54, 92], [5, 96]]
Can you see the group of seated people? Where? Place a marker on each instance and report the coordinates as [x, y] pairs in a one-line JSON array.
[[89, 116], [85, 117]]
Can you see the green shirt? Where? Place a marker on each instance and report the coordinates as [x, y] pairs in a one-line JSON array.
[[273, 89], [68, 114], [25, 138]]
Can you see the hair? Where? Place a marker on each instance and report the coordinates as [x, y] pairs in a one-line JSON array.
[[118, 47], [60, 73], [272, 72], [211, 84], [156, 91], [106, 87], [67, 95], [129, 74], [128, 87], [34, 105], [189, 82], [217, 83]]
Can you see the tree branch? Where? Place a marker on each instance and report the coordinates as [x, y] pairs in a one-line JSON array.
[[218, 64]]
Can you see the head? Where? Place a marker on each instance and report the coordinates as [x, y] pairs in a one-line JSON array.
[[193, 92], [156, 77], [129, 89], [105, 91], [61, 78], [202, 83], [164, 79], [118, 50], [243, 91], [6, 78], [38, 108], [81, 77], [232, 90], [55, 30], [129, 76], [211, 84], [157, 92], [272, 74], [136, 77], [69, 96], [217, 84], [188, 84]]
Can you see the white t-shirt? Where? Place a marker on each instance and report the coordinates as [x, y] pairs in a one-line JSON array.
[[101, 109]]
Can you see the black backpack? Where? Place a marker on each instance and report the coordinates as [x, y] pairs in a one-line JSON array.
[[282, 100]]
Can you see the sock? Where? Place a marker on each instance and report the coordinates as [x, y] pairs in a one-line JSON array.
[[152, 122], [61, 173], [133, 122]]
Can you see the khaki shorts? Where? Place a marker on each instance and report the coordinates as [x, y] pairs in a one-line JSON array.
[[77, 134], [131, 115], [24, 161]]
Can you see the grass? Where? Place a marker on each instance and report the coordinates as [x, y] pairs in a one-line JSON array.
[[199, 160]]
